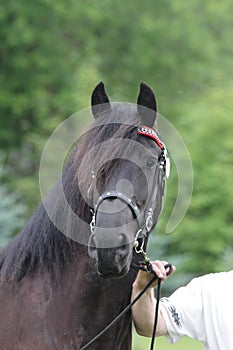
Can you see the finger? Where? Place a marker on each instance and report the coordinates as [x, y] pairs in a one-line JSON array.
[[170, 269], [173, 269], [159, 269]]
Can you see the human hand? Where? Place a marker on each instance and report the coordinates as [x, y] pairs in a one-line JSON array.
[[158, 267]]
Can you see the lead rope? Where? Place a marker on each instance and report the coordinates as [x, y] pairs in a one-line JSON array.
[[123, 312], [156, 314]]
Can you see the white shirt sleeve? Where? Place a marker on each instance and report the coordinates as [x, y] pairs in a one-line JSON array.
[[183, 313], [202, 310]]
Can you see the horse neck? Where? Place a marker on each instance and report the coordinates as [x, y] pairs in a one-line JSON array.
[[81, 274], [92, 295]]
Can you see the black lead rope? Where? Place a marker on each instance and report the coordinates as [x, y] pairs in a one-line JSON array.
[[156, 314], [123, 312]]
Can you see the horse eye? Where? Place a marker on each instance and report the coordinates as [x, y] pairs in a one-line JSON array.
[[150, 164]]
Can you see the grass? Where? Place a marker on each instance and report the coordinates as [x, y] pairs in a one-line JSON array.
[[142, 343]]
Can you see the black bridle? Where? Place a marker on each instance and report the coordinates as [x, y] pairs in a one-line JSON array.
[[145, 224]]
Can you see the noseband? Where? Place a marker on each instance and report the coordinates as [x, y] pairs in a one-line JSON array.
[[145, 223]]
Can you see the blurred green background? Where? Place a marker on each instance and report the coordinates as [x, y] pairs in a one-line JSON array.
[[52, 54], [142, 343]]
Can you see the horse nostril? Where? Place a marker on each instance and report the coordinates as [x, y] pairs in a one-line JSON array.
[[123, 247], [121, 253]]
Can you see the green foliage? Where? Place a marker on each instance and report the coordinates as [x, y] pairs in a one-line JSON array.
[[42, 80], [12, 212], [210, 215], [203, 242]]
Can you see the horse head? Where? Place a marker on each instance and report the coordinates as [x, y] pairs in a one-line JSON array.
[[129, 185]]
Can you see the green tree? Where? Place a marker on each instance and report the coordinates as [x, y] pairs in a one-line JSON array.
[[42, 58], [203, 242], [12, 212]]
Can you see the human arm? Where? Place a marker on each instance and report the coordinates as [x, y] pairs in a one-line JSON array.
[[143, 311]]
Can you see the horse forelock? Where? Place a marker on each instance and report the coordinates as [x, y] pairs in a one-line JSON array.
[[101, 152]]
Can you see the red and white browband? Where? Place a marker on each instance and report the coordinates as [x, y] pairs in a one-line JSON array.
[[146, 131], [164, 159]]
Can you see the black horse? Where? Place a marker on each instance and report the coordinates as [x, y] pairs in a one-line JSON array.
[[58, 293]]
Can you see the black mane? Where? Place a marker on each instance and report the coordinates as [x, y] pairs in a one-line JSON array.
[[41, 245]]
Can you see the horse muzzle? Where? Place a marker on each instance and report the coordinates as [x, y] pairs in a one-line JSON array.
[[112, 257]]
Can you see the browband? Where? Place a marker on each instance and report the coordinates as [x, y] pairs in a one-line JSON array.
[[146, 131], [164, 161]]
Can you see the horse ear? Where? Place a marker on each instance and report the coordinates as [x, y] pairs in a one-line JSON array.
[[146, 98], [99, 100]]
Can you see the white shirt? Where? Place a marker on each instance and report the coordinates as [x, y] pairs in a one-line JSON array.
[[202, 310]]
